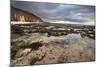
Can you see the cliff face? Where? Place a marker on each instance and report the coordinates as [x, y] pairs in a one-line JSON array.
[[24, 16]]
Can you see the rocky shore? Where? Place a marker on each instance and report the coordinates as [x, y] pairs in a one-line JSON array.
[[48, 44]]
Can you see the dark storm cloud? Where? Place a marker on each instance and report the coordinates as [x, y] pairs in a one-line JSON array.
[[54, 11]]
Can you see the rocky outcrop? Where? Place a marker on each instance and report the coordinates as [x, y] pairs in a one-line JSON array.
[[35, 48], [24, 16]]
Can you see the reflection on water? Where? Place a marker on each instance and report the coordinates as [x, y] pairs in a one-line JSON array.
[[74, 39]]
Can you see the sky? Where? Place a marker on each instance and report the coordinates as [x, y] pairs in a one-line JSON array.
[[59, 13]]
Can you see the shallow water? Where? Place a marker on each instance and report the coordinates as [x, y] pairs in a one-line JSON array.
[[74, 39]]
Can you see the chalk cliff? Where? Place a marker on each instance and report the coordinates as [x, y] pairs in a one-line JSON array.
[[24, 16]]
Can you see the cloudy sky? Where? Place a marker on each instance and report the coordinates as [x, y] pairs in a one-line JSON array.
[[54, 12]]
